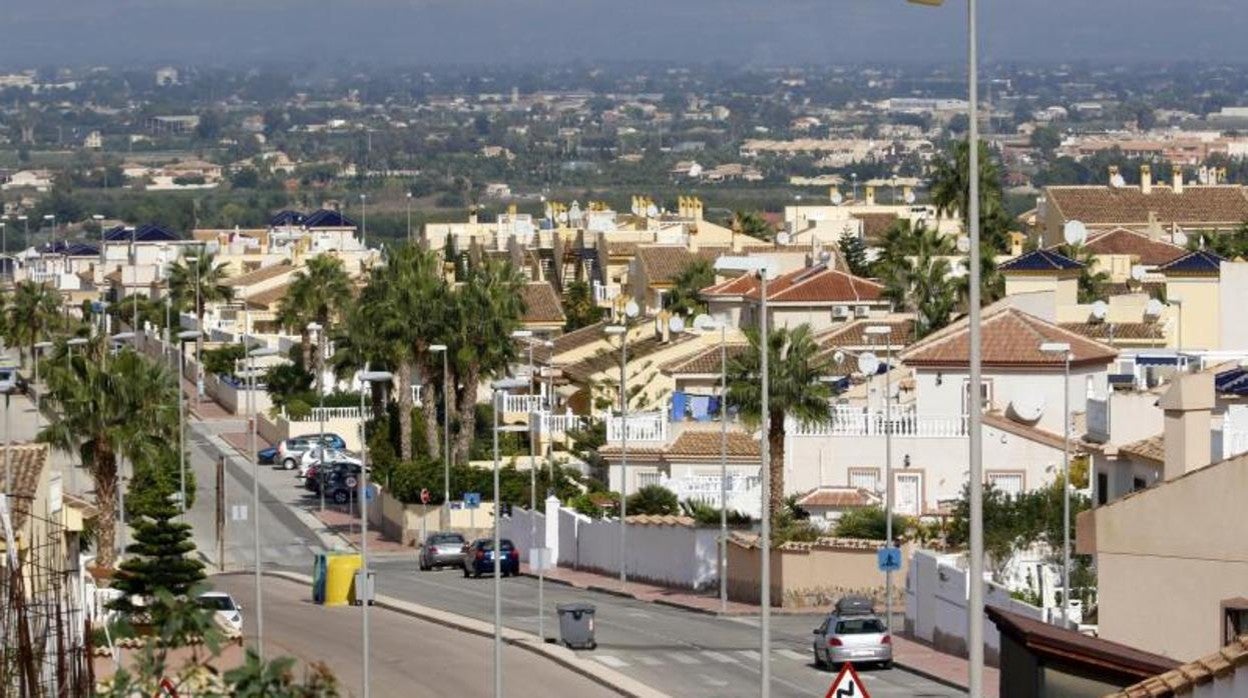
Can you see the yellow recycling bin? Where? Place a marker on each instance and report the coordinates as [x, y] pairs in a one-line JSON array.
[[340, 576]]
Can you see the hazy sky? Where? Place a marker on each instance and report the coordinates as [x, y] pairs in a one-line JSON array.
[[36, 32]]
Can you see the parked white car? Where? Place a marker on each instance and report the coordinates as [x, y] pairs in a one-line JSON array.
[[228, 612], [314, 456]]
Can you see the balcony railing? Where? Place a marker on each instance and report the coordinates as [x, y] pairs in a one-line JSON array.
[[743, 491], [329, 413], [525, 403], [642, 426], [855, 421], [604, 294], [560, 424]]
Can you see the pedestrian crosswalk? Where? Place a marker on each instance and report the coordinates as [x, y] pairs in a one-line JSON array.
[[690, 657]]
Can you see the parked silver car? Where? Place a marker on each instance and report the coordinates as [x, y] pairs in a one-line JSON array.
[[442, 550], [856, 639]]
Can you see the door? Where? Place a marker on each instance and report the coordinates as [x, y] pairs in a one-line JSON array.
[[908, 494]]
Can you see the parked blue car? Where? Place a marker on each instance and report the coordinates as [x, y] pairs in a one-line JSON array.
[[479, 558], [266, 456]]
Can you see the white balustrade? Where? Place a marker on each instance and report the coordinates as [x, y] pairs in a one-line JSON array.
[[642, 426], [523, 403], [559, 424], [328, 413], [855, 421], [605, 293]]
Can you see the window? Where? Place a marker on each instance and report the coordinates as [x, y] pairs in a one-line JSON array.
[[985, 396], [1009, 483], [859, 626], [1138, 484], [647, 479], [865, 478], [1102, 488], [1234, 619]]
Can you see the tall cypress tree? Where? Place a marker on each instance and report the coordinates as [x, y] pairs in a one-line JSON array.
[[159, 559]]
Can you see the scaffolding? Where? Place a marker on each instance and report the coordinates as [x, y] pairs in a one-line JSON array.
[[45, 644]]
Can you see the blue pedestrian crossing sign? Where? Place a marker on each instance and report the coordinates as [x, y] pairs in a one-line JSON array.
[[888, 558], [472, 500]]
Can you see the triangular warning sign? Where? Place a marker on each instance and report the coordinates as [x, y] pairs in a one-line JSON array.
[[847, 684]]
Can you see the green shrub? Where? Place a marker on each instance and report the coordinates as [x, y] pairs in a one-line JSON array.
[[870, 523], [707, 515], [654, 500]]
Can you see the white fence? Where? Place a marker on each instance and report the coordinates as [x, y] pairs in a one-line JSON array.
[[517, 528], [936, 601], [319, 414], [855, 421], [560, 424], [642, 426], [523, 403]]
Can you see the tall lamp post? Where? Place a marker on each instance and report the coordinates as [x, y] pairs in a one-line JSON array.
[[631, 310], [409, 217], [500, 388], [252, 355], [1178, 338], [1063, 350], [446, 427], [367, 378], [364, 220], [975, 596], [764, 268], [52, 218], [886, 332], [182, 338], [317, 330], [706, 323]]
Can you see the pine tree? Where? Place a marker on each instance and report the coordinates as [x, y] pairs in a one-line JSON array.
[[159, 560], [855, 253]]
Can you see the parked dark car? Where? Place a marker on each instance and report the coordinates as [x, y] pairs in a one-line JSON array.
[[341, 482], [442, 550], [479, 558]]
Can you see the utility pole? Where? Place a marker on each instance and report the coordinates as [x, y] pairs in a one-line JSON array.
[[221, 513]]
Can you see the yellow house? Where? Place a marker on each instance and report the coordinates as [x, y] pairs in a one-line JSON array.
[[1194, 290]]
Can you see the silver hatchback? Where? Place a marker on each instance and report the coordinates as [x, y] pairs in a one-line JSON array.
[[856, 639], [442, 549]]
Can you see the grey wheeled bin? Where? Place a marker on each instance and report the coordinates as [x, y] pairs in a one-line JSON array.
[[576, 625]]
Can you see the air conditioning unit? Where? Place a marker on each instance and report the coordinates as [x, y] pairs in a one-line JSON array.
[[861, 311], [840, 312]]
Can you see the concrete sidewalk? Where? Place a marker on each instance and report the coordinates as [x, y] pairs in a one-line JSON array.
[[908, 654]]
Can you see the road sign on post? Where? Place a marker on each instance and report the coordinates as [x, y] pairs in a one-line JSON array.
[[888, 558], [847, 685], [472, 500], [424, 495]]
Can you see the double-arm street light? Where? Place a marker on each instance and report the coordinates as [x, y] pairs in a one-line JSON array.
[[885, 331], [500, 388], [630, 311], [367, 379], [183, 337], [446, 428], [764, 268], [706, 323], [254, 353], [1062, 349]]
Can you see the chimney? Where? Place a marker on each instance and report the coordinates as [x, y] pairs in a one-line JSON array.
[[1016, 244], [1188, 405], [833, 192], [472, 215], [1113, 172], [870, 195], [511, 211], [1146, 179], [907, 193], [1178, 181]]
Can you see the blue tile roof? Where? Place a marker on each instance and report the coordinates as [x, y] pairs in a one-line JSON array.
[[325, 218], [1041, 260], [285, 218], [82, 249], [118, 233], [1200, 261], [153, 232], [1234, 381]]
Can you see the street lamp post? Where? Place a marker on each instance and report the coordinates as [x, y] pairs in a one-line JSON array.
[[364, 220], [409, 217], [182, 337], [446, 427], [764, 268], [706, 323], [366, 379], [52, 217], [252, 355], [886, 332], [1178, 357], [500, 387], [631, 310], [1063, 348], [316, 329]]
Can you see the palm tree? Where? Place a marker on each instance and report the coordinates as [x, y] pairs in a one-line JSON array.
[[795, 389], [685, 298], [1091, 283], [753, 224], [123, 408], [916, 275], [195, 281], [486, 310], [34, 311], [320, 292], [950, 192]]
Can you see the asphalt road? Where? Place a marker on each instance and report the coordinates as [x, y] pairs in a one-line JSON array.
[[679, 652], [410, 657]]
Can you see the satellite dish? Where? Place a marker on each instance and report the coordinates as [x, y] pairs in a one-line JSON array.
[[909, 197], [837, 199], [838, 356], [1027, 407], [1100, 309], [1138, 271], [1074, 232], [1117, 181], [676, 325], [784, 238], [825, 256], [632, 309], [868, 363], [704, 323], [1153, 307], [964, 244], [1179, 238]]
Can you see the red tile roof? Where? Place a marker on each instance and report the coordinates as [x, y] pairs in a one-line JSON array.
[[709, 361], [1145, 250], [1010, 338], [854, 334], [541, 304], [838, 498], [27, 461], [1103, 205], [817, 284], [1183, 680], [663, 263], [693, 444]]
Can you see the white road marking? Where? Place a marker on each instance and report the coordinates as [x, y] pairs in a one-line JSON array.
[[682, 658], [611, 661], [790, 654], [718, 657], [712, 681], [751, 655], [648, 660]]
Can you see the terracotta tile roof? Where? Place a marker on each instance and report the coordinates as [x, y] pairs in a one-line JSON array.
[[1111, 660], [1010, 338], [1145, 250], [621, 248], [1037, 435], [874, 225], [1182, 680], [1153, 449], [258, 275], [586, 368], [268, 298], [695, 445], [664, 262], [1103, 205], [854, 334], [704, 363], [541, 304], [1118, 331], [1154, 289], [27, 461], [570, 341], [665, 520], [838, 498], [817, 284]]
